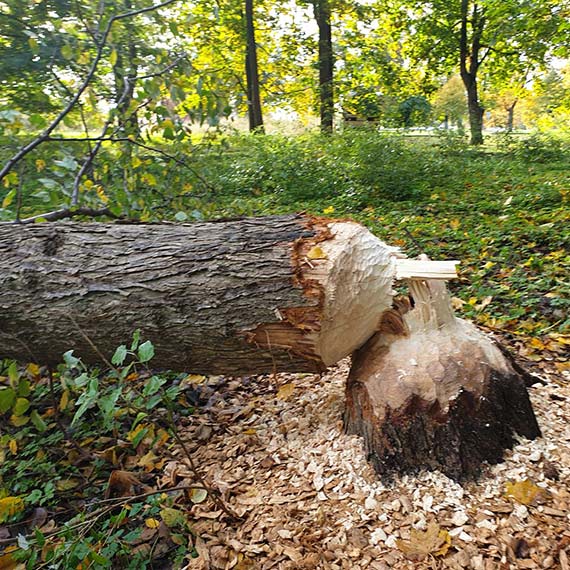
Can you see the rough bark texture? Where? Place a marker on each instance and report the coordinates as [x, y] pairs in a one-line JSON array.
[[236, 297], [430, 391]]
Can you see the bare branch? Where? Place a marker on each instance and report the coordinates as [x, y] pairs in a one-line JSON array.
[[65, 213]]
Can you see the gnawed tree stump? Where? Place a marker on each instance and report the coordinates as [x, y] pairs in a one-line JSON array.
[[249, 296], [430, 390]]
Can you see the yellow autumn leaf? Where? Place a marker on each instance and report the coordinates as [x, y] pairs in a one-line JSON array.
[[64, 400], [152, 523], [40, 164], [101, 193], [433, 540], [148, 461], [113, 57], [285, 391], [316, 252], [9, 507], [194, 379], [13, 446], [524, 492], [33, 369], [455, 224], [328, 210]]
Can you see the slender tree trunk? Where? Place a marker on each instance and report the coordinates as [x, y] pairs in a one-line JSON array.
[[252, 73], [469, 63], [322, 13], [511, 116], [475, 111]]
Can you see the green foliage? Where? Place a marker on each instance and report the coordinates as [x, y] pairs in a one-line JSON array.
[[66, 438]]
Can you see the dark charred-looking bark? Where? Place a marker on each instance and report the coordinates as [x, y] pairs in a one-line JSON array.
[[322, 13], [436, 394], [252, 73]]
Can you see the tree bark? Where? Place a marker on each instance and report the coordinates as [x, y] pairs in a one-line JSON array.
[[469, 62], [322, 13], [282, 293], [431, 391], [475, 112], [252, 73], [511, 116]]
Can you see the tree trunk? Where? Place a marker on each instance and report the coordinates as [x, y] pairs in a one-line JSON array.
[[322, 13], [431, 391], [475, 111], [252, 73], [511, 117], [469, 62], [282, 293]]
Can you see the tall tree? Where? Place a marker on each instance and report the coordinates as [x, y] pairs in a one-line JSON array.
[[252, 72], [467, 34], [322, 12]]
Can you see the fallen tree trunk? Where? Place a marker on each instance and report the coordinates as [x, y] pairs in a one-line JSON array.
[[432, 391], [281, 293]]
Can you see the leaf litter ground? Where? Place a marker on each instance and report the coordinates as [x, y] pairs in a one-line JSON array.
[[275, 448]]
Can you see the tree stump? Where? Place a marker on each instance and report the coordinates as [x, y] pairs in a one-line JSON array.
[[431, 391]]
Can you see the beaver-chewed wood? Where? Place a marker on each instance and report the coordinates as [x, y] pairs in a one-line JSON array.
[[254, 295], [431, 391]]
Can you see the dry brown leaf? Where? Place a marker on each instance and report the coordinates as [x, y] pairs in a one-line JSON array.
[[524, 492], [121, 484], [433, 541], [285, 391]]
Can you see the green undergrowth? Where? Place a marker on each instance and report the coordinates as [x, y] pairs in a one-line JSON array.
[[81, 457]]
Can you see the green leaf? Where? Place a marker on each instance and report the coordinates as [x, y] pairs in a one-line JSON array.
[[181, 216], [136, 339], [38, 422], [7, 399], [13, 374], [21, 406], [153, 385], [24, 387], [86, 400], [67, 51], [172, 517], [120, 355], [9, 198], [198, 495], [70, 360], [37, 121], [146, 351], [113, 57]]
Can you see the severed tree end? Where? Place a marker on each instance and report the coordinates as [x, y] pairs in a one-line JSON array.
[[431, 391]]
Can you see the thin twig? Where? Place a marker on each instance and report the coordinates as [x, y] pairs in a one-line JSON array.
[[91, 343], [212, 492], [66, 213], [142, 145]]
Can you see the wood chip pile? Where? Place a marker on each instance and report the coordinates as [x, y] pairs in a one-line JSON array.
[[275, 448]]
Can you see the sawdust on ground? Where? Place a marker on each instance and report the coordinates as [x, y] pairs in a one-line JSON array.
[[275, 449]]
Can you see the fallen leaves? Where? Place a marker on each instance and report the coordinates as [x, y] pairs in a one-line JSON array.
[[10, 507], [285, 391], [524, 492], [433, 540]]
